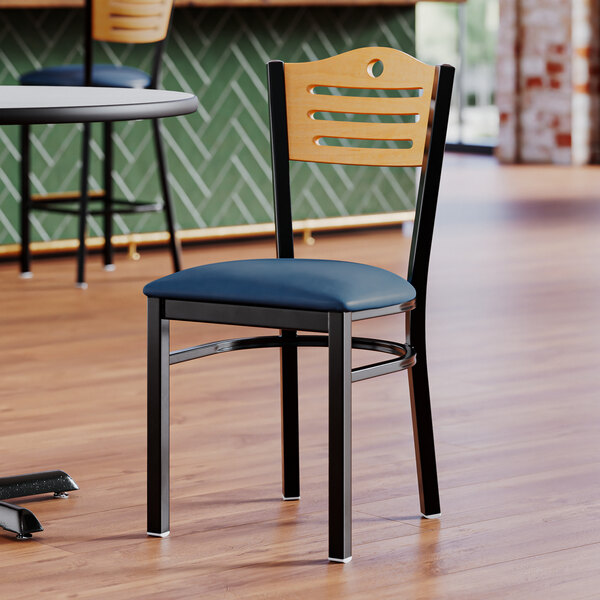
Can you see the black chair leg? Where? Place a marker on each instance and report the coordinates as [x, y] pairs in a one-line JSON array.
[[158, 421], [25, 204], [83, 206], [289, 418], [422, 419], [340, 437], [174, 242], [108, 197]]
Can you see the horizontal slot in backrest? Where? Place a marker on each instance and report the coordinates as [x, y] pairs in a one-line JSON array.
[[130, 21], [357, 118], [368, 93], [348, 84], [357, 143]]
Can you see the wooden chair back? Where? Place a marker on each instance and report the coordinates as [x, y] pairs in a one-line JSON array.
[[131, 21], [422, 95], [403, 88]]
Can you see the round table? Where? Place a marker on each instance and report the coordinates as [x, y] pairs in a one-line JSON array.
[[31, 105]]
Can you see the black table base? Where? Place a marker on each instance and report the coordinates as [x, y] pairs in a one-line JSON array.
[[28, 105], [20, 520]]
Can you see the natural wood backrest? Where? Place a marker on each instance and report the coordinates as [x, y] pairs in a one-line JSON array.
[[357, 70], [130, 21]]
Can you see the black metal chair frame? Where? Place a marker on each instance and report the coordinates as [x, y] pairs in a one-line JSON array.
[[337, 327], [109, 205]]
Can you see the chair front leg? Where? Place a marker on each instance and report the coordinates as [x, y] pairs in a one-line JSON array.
[[340, 437], [420, 402], [290, 453], [158, 420]]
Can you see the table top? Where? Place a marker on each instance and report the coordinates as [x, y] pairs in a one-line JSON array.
[[23, 104]]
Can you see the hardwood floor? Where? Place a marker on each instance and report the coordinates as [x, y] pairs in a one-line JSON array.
[[514, 321]]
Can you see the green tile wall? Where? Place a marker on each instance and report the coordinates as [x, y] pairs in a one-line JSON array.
[[219, 157]]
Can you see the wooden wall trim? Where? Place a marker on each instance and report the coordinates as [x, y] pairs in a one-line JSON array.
[[241, 3]]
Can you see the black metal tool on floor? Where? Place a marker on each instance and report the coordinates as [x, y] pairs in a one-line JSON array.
[[20, 520]]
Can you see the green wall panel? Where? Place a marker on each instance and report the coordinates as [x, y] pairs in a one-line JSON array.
[[219, 157]]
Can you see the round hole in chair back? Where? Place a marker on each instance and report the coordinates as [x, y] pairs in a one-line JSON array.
[[375, 68]]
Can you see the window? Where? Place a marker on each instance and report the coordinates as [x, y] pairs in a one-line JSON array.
[[464, 35]]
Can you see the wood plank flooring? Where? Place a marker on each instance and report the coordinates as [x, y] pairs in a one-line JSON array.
[[514, 326]]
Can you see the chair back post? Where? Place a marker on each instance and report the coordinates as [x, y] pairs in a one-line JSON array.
[[158, 55], [280, 159], [429, 183], [88, 49]]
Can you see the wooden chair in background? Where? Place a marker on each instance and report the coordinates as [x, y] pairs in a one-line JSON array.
[[119, 21]]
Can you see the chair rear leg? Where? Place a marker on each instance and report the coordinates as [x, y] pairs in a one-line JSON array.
[[83, 207], [174, 242], [289, 418], [108, 197], [340, 437], [25, 204], [420, 401], [158, 421]]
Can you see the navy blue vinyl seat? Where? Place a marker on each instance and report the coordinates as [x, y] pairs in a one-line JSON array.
[[102, 76], [287, 283]]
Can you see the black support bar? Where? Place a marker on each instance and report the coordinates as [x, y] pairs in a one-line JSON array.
[[383, 368], [382, 312], [19, 520], [248, 316], [406, 355], [36, 483]]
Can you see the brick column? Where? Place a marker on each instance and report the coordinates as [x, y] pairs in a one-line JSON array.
[[586, 80], [547, 89]]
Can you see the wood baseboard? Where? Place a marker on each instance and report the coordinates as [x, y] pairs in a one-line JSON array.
[[132, 240]]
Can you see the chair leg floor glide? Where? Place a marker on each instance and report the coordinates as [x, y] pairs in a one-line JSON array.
[[159, 535], [339, 560]]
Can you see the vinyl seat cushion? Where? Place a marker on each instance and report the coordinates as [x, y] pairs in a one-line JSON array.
[[325, 285], [102, 76]]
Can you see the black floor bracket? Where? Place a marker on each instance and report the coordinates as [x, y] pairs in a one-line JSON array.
[[21, 520]]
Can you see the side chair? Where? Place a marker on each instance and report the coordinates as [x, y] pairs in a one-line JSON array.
[[322, 296], [118, 21]]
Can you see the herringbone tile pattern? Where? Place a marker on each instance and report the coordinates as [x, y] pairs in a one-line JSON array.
[[219, 157]]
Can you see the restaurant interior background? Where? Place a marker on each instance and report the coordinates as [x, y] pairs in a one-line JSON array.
[[513, 322]]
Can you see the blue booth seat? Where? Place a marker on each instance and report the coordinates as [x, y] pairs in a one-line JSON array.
[[102, 76], [287, 283]]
